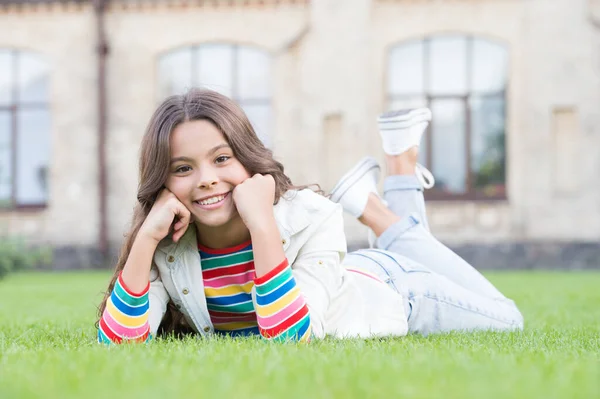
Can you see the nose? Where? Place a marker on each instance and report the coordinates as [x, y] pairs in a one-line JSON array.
[[208, 178]]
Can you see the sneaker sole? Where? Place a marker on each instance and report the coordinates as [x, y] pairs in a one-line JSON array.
[[351, 177], [403, 118]]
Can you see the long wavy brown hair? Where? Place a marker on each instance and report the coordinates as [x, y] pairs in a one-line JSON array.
[[228, 117]]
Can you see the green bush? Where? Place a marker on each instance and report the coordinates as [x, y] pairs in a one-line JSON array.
[[16, 254]]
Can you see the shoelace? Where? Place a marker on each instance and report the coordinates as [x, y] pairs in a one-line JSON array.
[[425, 176]]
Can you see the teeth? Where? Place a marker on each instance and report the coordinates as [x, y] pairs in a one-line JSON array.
[[212, 200]]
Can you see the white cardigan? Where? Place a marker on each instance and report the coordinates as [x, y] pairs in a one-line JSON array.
[[341, 303]]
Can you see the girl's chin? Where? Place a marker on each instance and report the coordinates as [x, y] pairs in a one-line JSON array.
[[215, 220]]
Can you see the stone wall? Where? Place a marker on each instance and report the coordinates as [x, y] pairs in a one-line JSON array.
[[329, 74]]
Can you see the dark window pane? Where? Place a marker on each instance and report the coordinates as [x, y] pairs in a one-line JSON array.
[[33, 155], [253, 71], [5, 159], [488, 145], [215, 68], [6, 77], [174, 73], [490, 63], [33, 78], [406, 69], [447, 69], [448, 148]]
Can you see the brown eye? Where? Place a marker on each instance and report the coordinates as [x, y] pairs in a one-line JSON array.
[[221, 159], [182, 169]]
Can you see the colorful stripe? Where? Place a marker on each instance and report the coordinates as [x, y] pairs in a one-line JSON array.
[[280, 307], [285, 313], [240, 258], [237, 279], [279, 311], [365, 273], [125, 317], [227, 271], [228, 281]]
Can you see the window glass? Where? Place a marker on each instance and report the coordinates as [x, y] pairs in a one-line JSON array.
[[5, 158], [174, 73], [241, 73], [6, 76], [215, 68], [32, 78], [407, 102], [447, 67], [406, 69], [488, 145], [490, 63], [254, 74], [24, 128], [449, 157], [33, 143], [452, 74]]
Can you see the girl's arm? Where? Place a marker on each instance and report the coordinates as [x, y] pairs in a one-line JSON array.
[[131, 316], [281, 311], [136, 272], [266, 245], [126, 315], [292, 300], [280, 308]]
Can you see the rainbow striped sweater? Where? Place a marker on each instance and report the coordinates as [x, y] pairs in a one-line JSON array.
[[125, 316], [276, 311]]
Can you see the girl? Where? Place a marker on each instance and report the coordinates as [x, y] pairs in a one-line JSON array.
[[223, 243]]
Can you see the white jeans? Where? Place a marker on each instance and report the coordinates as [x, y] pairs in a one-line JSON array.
[[441, 291]]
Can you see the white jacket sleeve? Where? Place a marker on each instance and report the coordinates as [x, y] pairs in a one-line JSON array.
[[318, 270]]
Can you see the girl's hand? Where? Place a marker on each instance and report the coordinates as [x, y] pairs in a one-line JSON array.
[[159, 221], [254, 199]]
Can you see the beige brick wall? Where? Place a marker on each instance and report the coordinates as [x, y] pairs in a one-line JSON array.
[[329, 68]]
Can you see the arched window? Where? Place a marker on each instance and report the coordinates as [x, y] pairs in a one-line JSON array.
[[463, 80], [240, 72], [24, 129]]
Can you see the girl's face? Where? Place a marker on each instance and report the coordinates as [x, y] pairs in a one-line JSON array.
[[203, 174]]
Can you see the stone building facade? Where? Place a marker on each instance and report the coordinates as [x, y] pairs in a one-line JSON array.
[[313, 75]]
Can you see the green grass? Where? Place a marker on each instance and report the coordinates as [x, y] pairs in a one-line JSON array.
[[47, 350]]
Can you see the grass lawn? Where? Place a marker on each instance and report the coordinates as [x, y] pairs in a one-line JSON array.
[[47, 350]]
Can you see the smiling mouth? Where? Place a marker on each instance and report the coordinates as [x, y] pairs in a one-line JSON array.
[[212, 200]]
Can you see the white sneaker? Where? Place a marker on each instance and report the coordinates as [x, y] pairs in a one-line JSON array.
[[353, 189], [402, 129]]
